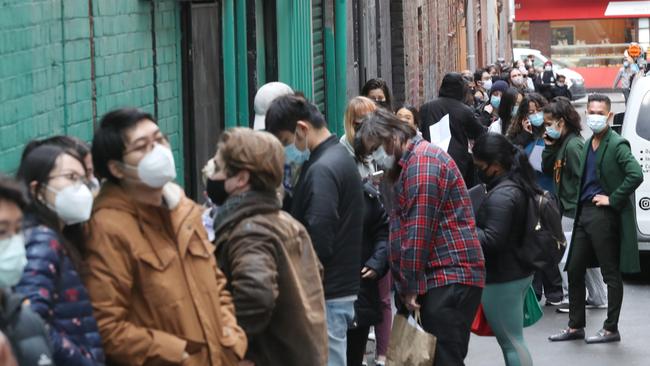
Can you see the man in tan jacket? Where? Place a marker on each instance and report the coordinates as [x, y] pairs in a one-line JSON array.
[[272, 268], [158, 296]]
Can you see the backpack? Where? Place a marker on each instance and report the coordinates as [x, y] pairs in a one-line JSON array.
[[544, 242]]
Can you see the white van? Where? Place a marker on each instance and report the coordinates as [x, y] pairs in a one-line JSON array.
[[636, 129], [575, 81]]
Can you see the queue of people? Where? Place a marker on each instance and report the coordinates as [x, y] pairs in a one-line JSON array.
[[308, 236]]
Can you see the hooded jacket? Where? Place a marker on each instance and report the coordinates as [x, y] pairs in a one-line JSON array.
[[154, 283], [462, 122], [275, 278]]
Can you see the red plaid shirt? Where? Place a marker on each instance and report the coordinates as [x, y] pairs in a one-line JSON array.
[[432, 230]]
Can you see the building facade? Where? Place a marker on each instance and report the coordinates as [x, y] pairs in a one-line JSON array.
[[196, 65]]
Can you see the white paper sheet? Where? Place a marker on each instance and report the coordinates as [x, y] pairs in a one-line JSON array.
[[441, 133], [536, 157]]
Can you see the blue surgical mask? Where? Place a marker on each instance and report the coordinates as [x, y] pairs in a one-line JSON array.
[[553, 133], [515, 109], [12, 260], [294, 159], [536, 119], [294, 156], [495, 101], [596, 122]]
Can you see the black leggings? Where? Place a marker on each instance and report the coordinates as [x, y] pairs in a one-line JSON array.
[[357, 339]]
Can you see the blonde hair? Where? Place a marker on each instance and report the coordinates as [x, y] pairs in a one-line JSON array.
[[258, 152], [358, 107]]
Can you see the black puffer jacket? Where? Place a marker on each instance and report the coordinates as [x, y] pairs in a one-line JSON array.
[[374, 255], [327, 201], [463, 124], [25, 331], [501, 226]]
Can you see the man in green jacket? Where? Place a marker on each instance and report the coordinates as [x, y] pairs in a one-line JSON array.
[[604, 231]]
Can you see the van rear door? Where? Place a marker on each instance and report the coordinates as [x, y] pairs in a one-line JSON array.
[[636, 129]]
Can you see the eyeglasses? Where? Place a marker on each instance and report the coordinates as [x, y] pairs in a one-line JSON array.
[[143, 146], [71, 177]]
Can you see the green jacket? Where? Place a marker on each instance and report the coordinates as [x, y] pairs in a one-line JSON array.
[[619, 174], [563, 164]]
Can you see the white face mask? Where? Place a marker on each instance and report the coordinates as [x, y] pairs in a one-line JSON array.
[[487, 84], [157, 168], [382, 158], [548, 68], [94, 185], [12, 260], [72, 204]]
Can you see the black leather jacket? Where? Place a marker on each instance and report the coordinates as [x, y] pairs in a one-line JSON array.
[[501, 225]]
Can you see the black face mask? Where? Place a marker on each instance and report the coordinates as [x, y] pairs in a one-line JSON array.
[[216, 190], [383, 104]]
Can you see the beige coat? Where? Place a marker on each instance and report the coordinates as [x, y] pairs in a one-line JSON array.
[[154, 284]]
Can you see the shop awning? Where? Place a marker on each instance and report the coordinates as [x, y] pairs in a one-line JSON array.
[[532, 10]]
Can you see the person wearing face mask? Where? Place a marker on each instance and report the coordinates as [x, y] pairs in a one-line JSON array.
[[501, 226], [561, 89], [624, 78], [82, 149], [23, 336], [527, 132], [604, 232], [152, 276], [378, 91], [516, 80], [60, 202], [463, 124], [436, 260], [547, 81], [373, 305], [489, 112], [327, 200], [561, 160], [508, 108], [273, 272]]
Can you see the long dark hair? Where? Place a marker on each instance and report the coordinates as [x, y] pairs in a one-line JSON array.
[[378, 83], [508, 102], [493, 148], [516, 127], [378, 128], [37, 167], [561, 107]]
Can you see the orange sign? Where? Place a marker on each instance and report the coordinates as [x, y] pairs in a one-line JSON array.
[[634, 50]]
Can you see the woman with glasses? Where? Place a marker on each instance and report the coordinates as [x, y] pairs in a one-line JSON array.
[[54, 241]]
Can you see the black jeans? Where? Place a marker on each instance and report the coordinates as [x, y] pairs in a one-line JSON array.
[[549, 282], [447, 312], [357, 339], [596, 236]]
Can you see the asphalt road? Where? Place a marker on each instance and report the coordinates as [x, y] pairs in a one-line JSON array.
[[634, 350]]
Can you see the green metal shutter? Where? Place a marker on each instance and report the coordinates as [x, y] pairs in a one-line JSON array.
[[318, 45]]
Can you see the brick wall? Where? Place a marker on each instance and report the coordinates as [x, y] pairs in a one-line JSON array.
[[63, 65], [428, 31]]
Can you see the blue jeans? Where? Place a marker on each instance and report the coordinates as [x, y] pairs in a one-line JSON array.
[[340, 314]]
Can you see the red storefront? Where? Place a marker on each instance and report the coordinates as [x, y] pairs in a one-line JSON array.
[[588, 35]]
